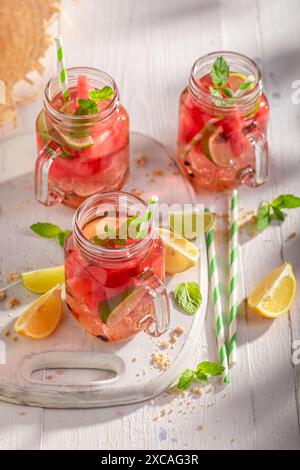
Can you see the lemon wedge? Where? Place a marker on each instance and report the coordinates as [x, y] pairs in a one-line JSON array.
[[275, 293], [41, 318], [181, 254], [42, 280], [190, 224]]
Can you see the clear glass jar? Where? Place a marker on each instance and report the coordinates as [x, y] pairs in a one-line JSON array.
[[115, 292], [80, 155], [222, 141]]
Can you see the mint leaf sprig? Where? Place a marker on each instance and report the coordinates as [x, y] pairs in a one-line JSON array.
[[268, 211], [90, 106], [47, 230], [203, 371], [188, 297], [220, 74]]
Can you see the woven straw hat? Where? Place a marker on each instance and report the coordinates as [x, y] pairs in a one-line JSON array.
[[23, 42]]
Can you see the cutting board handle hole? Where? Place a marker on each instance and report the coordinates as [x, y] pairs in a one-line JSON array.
[[72, 368], [69, 375]]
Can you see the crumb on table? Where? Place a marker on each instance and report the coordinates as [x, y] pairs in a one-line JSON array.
[[157, 172], [160, 361], [165, 344], [291, 236], [12, 277], [12, 302], [198, 391], [173, 339], [141, 160], [179, 330], [2, 295]]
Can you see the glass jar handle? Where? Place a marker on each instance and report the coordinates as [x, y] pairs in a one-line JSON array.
[[43, 193], [257, 175], [157, 290]]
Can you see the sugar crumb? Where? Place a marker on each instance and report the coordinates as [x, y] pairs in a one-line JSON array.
[[141, 160], [12, 302], [291, 236], [173, 339], [198, 391], [160, 361], [12, 277], [179, 330], [2, 295], [165, 344]]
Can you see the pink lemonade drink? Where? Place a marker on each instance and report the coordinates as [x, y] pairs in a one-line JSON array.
[[114, 281], [223, 123], [82, 141]]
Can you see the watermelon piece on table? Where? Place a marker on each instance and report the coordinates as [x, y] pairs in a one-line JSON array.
[[82, 87]]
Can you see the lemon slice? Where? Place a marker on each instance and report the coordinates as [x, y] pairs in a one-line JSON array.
[[236, 79], [44, 279], [190, 224], [275, 293], [42, 316], [181, 254]]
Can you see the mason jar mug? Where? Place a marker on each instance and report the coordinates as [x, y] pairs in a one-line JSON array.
[[82, 140], [223, 120]]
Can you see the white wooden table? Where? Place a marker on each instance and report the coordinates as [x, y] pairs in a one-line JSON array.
[[149, 47]]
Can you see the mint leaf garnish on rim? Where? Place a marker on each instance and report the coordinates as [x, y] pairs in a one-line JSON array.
[[86, 107], [203, 371], [269, 211], [188, 297], [220, 72], [47, 230], [89, 106], [220, 75], [104, 94]]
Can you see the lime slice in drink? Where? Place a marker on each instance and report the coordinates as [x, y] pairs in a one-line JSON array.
[[77, 143], [216, 147], [190, 224], [42, 127], [44, 279], [236, 80]]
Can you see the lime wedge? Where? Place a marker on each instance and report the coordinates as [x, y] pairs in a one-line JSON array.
[[237, 79], [77, 143], [190, 224], [42, 127], [216, 147], [44, 279]]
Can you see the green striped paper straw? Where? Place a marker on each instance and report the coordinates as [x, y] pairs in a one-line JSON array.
[[152, 205], [217, 302], [233, 283], [61, 68]]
